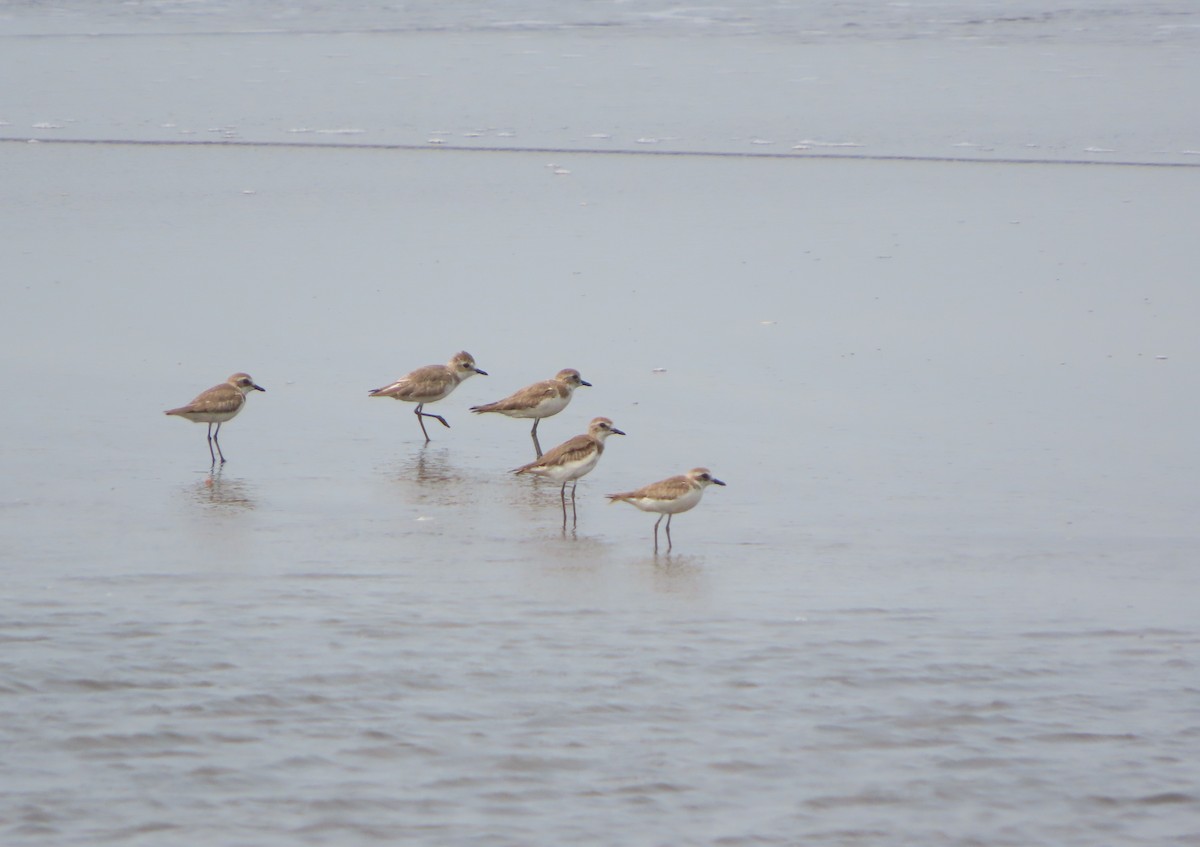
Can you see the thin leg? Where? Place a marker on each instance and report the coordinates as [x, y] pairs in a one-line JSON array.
[[574, 514], [536, 445], [668, 533], [417, 412], [211, 455], [217, 441], [437, 417], [563, 496], [656, 523]]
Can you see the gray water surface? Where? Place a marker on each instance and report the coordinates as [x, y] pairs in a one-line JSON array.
[[948, 597]]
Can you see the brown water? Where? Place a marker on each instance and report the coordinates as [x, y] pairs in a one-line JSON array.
[[948, 596]]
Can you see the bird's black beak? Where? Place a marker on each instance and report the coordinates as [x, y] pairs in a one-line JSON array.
[[717, 481], [258, 388], [585, 382], [481, 373], [616, 431]]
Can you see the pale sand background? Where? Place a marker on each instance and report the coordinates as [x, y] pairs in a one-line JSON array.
[[950, 590]]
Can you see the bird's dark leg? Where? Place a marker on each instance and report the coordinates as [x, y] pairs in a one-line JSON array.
[[574, 514], [668, 533], [656, 523], [563, 496], [211, 454], [417, 412], [421, 414], [537, 447], [217, 441]]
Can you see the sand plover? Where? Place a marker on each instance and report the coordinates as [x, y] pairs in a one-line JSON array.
[[537, 401], [217, 405], [430, 383], [669, 497], [572, 459]]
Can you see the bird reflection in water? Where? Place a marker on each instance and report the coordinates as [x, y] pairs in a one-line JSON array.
[[676, 574], [538, 500], [222, 493], [436, 479]]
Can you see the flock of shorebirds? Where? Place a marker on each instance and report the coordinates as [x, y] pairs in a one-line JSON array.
[[563, 464]]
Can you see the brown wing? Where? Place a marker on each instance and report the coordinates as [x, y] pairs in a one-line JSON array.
[[422, 382], [574, 449], [527, 397], [219, 399], [664, 489]]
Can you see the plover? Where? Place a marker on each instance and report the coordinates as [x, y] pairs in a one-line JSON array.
[[429, 384], [572, 459], [537, 401], [217, 405], [669, 497]]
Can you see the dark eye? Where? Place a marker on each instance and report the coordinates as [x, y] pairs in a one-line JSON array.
[[704, 476]]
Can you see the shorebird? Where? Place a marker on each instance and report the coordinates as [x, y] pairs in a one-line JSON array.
[[572, 459], [669, 497], [429, 384], [537, 401], [217, 405]]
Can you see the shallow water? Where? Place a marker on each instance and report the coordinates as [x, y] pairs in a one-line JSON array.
[[948, 596]]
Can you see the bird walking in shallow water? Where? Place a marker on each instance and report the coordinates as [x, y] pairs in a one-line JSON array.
[[217, 405], [537, 401], [669, 497], [429, 384], [572, 459]]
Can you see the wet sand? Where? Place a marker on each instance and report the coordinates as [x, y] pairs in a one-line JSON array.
[[920, 347]]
